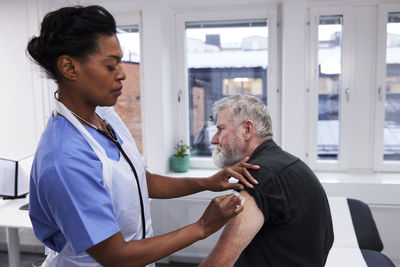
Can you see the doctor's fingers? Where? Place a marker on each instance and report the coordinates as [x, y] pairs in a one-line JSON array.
[[229, 205], [218, 212], [241, 174], [245, 164], [243, 167]]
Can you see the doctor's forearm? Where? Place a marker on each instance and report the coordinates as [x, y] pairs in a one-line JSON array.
[[165, 244], [168, 187], [114, 251]]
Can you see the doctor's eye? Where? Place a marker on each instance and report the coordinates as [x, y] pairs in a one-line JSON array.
[[111, 68]]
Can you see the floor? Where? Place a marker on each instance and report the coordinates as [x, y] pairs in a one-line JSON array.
[[29, 259]]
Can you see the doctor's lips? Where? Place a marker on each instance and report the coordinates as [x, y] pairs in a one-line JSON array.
[[117, 91]]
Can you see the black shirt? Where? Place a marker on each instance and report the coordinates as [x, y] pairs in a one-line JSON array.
[[298, 227]]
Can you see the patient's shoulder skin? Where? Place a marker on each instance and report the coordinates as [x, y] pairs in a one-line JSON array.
[[237, 234]]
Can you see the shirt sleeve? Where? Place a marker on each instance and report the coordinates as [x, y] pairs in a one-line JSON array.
[[270, 196], [75, 196]]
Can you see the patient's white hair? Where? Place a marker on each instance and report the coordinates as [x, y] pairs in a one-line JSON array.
[[246, 107]]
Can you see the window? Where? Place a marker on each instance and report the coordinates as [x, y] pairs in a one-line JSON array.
[[223, 52], [387, 90], [330, 70], [224, 58], [354, 88], [391, 136], [128, 106], [242, 85]]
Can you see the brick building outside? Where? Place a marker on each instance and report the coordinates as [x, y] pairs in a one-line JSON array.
[[129, 106]]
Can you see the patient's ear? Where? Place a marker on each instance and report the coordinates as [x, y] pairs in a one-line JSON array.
[[66, 66], [249, 130]]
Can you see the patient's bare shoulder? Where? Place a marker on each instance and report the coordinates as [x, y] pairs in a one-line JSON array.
[[237, 234]]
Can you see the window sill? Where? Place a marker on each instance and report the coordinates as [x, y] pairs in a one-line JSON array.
[[372, 188]]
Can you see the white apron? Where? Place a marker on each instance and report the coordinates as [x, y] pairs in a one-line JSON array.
[[119, 181]]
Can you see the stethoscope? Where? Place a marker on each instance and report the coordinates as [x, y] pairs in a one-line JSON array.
[[112, 136]]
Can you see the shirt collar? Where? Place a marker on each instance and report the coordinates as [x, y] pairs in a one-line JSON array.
[[264, 146]]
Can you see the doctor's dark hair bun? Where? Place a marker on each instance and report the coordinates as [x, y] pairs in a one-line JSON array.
[[72, 31]]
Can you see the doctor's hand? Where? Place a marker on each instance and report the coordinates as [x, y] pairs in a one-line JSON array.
[[218, 213], [239, 171]]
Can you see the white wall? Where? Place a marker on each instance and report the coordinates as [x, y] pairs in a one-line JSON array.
[[293, 80], [157, 29], [387, 218], [18, 115]]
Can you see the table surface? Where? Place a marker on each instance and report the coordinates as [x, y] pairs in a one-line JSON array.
[[12, 216]]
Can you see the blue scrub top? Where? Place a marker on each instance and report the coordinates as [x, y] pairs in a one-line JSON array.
[[68, 200]]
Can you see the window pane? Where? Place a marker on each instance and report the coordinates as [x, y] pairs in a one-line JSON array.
[[129, 106], [224, 58], [391, 146], [330, 72]]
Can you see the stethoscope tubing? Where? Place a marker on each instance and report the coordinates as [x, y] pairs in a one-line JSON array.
[[118, 145]]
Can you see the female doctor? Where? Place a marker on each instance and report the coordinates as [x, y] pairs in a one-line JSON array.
[[89, 190]]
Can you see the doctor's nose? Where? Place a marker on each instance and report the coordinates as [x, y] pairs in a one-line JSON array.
[[121, 74]]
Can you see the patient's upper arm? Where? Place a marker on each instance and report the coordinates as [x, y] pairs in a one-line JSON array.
[[237, 234]]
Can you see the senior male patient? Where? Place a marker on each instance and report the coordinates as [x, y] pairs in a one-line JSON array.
[[286, 219]]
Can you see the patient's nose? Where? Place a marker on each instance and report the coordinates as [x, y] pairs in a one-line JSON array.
[[214, 139]]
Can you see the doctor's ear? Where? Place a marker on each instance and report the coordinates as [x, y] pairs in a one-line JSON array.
[[66, 66]]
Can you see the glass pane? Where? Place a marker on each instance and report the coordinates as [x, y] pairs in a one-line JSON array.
[[129, 106], [391, 139], [330, 72], [224, 58]]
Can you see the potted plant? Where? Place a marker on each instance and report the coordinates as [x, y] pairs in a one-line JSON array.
[[180, 161]]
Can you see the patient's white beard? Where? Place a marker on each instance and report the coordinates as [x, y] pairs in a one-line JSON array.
[[227, 155]]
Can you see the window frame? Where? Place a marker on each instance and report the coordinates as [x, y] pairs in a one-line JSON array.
[[268, 12], [134, 18], [380, 93], [312, 82]]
